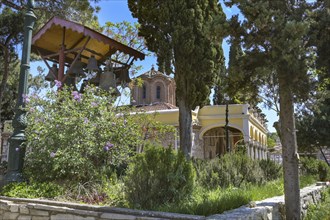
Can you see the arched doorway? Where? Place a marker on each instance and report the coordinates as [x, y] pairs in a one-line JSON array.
[[215, 141]]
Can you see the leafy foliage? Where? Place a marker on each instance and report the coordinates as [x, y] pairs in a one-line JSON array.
[[70, 9], [313, 121], [229, 170], [126, 33], [275, 36], [271, 170], [312, 166], [78, 137], [10, 36], [271, 139], [158, 176], [32, 190], [320, 211]]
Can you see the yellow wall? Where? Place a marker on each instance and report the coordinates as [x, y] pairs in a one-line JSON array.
[[171, 118], [209, 117]]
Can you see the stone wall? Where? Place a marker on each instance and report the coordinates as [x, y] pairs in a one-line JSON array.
[[35, 209], [272, 208]]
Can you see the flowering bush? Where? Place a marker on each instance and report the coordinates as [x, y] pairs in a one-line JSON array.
[[78, 137]]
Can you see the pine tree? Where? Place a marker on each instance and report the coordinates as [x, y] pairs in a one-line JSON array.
[[181, 34], [274, 41]]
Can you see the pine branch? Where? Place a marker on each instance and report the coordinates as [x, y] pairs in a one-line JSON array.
[[11, 5]]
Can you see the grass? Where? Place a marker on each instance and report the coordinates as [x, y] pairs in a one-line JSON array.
[[208, 202], [307, 180], [268, 190]]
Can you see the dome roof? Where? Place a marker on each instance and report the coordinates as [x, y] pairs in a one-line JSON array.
[[152, 72]]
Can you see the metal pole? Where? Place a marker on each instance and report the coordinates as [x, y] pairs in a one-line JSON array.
[[226, 129], [17, 140]]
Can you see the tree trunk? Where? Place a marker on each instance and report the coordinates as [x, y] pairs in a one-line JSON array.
[[289, 151], [185, 124], [325, 158]]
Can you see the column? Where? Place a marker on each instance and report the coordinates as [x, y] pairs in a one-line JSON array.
[[247, 149], [251, 151]]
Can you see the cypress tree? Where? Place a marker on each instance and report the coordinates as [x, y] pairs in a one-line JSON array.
[[181, 34]]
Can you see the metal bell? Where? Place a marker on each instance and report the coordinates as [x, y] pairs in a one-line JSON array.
[[77, 69], [108, 81], [52, 73], [122, 75], [96, 79], [92, 64]]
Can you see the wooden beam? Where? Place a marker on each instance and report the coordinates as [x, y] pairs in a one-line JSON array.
[[108, 54], [62, 58], [55, 77], [76, 58], [79, 41]]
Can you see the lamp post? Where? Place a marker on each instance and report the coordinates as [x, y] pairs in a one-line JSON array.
[[226, 125], [17, 140]]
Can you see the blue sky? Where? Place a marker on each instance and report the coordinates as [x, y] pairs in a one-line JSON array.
[[117, 11]]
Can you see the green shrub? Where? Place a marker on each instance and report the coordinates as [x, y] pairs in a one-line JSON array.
[[312, 166], [228, 170], [114, 189], [308, 166], [32, 190], [158, 176], [271, 169], [321, 210], [324, 171], [74, 136]]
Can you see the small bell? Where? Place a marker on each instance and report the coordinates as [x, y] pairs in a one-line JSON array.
[[122, 75], [92, 64], [108, 81], [77, 69], [52, 73], [96, 79]]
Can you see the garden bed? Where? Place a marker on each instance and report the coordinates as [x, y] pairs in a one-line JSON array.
[[272, 208]]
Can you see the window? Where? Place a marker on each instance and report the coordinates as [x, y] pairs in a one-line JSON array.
[[144, 92], [158, 92]]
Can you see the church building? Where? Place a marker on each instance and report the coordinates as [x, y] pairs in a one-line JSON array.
[[246, 129]]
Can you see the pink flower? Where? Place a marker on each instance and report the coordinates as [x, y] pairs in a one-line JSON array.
[[26, 98], [52, 154], [107, 146], [58, 84], [76, 96]]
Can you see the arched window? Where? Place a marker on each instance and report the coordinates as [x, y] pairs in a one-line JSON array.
[[144, 92], [158, 92]]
